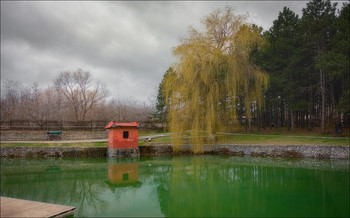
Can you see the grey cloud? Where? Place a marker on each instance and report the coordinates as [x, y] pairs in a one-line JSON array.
[[127, 45]]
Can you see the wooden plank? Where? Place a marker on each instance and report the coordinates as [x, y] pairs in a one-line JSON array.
[[12, 207]]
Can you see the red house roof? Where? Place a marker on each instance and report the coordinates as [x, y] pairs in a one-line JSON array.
[[114, 124]]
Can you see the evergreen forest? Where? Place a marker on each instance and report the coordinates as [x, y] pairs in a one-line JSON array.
[[304, 58]]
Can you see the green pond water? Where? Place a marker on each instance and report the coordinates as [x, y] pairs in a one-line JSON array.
[[183, 186]]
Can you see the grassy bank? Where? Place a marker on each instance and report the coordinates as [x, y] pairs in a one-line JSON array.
[[281, 140], [243, 139], [246, 139]]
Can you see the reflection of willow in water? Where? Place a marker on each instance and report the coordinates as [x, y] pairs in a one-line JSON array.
[[79, 181], [195, 188], [183, 186], [199, 187]]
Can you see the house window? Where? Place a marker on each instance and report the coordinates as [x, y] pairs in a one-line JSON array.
[[125, 134], [125, 177]]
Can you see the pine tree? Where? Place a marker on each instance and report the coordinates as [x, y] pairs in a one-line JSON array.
[[318, 26], [281, 58]]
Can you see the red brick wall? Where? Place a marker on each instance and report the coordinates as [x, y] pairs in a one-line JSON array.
[[116, 140]]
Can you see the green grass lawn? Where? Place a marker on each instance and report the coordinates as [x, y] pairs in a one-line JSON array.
[[261, 140], [281, 140], [245, 139], [151, 132]]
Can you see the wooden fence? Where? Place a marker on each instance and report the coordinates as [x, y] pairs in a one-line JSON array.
[[64, 125]]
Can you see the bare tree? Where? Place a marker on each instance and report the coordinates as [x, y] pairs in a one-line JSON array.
[[72, 98], [10, 102], [128, 109], [38, 105], [77, 89]]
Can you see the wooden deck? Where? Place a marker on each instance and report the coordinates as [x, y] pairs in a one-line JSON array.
[[12, 207]]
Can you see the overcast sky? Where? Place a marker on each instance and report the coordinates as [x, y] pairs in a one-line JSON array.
[[126, 45]]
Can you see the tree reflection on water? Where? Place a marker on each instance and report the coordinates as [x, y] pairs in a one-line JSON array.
[[183, 185], [60, 181], [200, 186]]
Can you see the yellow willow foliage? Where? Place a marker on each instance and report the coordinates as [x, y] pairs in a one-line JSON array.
[[212, 74]]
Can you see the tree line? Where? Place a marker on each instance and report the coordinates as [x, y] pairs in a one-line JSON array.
[[220, 76], [72, 97], [308, 62]]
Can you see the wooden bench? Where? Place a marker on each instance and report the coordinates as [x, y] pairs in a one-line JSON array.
[[54, 135]]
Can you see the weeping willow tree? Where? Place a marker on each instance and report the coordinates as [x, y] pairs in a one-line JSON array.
[[212, 74]]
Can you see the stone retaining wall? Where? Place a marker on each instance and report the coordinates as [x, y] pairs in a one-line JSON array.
[[53, 151], [308, 151], [123, 152], [41, 135]]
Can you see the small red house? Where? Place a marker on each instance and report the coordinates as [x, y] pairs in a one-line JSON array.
[[123, 135]]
